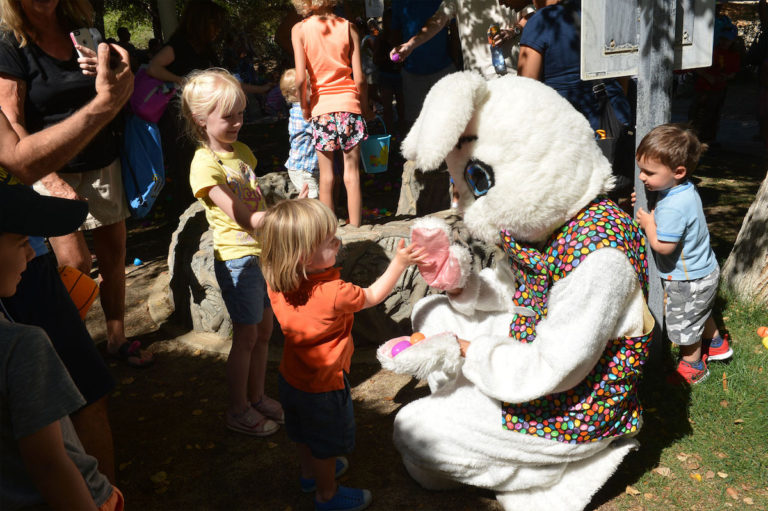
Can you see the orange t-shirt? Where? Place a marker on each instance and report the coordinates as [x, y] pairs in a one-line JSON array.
[[317, 324], [328, 48]]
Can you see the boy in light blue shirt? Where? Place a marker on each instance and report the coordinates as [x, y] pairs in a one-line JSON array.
[[677, 233]]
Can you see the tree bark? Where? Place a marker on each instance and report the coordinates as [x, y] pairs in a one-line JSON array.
[[746, 270]]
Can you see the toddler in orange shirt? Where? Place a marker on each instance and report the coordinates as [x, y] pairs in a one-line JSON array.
[[316, 309]]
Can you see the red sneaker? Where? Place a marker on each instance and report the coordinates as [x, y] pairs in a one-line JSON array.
[[722, 352], [686, 373]]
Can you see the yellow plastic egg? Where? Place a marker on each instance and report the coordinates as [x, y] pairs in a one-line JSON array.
[[765, 342]]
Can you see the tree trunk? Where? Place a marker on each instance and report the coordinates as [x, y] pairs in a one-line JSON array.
[[746, 270]]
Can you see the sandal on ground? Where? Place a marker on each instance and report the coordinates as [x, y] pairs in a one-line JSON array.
[[308, 485], [251, 423], [271, 409], [130, 353]]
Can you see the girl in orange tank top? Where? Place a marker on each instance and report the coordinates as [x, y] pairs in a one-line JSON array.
[[328, 48]]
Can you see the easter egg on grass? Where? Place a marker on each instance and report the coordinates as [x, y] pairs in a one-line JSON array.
[[765, 342], [762, 331]]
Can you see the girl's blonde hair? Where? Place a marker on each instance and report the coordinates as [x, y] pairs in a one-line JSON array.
[[203, 92], [288, 86], [72, 14], [305, 7], [291, 233]]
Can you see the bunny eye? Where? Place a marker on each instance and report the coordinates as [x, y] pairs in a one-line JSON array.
[[479, 177]]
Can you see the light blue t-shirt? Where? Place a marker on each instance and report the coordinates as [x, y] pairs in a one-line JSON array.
[[680, 219]]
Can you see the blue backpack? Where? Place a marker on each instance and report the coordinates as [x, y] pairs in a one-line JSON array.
[[142, 160]]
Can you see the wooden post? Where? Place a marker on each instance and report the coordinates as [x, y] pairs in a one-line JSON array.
[[654, 89]]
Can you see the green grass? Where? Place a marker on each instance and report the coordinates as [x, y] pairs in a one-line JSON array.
[[693, 437]]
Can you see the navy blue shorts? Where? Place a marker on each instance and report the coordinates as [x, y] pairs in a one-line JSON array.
[[324, 421], [243, 288], [42, 300]]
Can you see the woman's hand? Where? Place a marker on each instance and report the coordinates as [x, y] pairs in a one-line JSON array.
[[88, 61], [57, 187]]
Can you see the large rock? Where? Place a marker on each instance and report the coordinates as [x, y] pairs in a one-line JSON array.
[[365, 254], [423, 193]]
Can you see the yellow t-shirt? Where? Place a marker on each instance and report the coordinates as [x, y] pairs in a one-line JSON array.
[[235, 169]]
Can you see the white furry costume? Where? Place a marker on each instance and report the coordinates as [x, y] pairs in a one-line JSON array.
[[546, 167]]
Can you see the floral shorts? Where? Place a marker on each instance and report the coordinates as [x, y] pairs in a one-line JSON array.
[[338, 130]]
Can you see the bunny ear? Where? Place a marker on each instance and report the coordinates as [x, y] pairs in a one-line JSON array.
[[448, 108]]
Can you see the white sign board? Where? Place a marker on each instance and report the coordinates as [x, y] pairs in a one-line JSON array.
[[610, 36], [374, 8]]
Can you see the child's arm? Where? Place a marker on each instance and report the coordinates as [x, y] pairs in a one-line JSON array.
[[300, 59], [53, 471], [358, 74], [235, 209], [404, 257], [229, 203], [648, 223]]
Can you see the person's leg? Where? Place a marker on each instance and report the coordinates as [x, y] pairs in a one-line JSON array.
[[710, 329], [71, 250], [325, 181], [259, 354], [691, 353], [352, 184], [325, 478], [92, 425], [238, 366]]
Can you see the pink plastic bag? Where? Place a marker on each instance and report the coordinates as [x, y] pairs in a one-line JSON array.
[[150, 96]]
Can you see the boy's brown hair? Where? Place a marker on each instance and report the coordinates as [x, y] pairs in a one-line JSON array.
[[674, 145]]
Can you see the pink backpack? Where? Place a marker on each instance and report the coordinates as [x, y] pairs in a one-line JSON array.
[[150, 96]]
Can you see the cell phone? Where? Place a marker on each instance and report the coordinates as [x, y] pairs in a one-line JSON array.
[[87, 37]]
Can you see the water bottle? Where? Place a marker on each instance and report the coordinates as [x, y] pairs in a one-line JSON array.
[[497, 56]]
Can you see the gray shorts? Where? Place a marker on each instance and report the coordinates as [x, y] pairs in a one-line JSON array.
[[687, 306]]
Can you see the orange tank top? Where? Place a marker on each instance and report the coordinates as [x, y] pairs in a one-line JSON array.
[[328, 47]]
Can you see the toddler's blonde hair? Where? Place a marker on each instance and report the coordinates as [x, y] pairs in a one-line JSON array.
[[203, 92], [291, 233], [305, 7], [288, 86]]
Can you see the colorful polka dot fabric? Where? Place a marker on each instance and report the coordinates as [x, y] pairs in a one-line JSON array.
[[605, 404]]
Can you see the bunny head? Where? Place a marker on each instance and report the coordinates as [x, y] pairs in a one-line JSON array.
[[522, 158]]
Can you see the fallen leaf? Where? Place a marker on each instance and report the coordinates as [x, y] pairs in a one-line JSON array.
[[739, 421], [748, 501], [696, 476], [722, 475], [159, 477], [724, 403], [662, 471], [649, 496], [388, 398], [196, 353], [197, 412], [709, 475], [692, 465], [732, 493], [682, 456], [725, 381], [632, 491], [721, 455]]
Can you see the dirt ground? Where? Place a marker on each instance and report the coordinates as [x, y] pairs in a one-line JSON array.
[[173, 451]]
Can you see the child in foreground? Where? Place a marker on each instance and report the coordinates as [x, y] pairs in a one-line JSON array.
[[328, 47], [43, 461], [222, 178], [302, 157], [316, 309], [678, 235]]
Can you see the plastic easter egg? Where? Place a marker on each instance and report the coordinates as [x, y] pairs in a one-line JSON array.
[[762, 331], [765, 342], [137, 262], [395, 57], [400, 346], [416, 337]]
